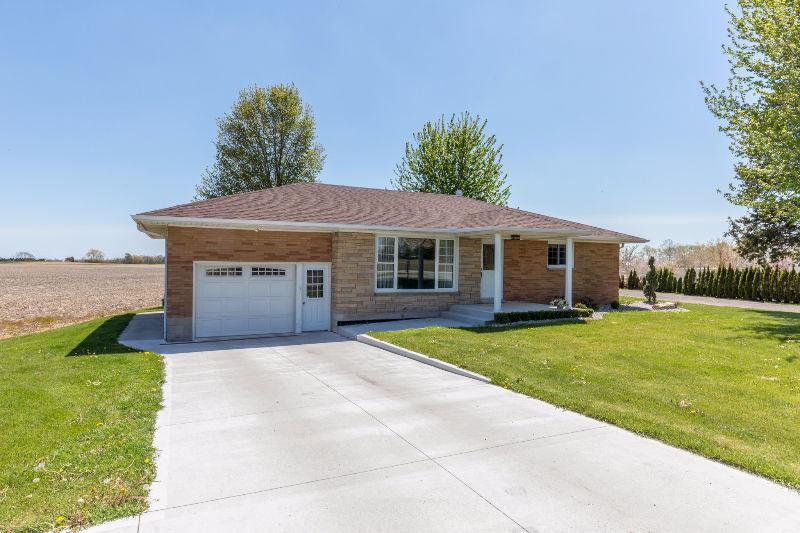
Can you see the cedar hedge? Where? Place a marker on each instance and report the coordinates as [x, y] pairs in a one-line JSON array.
[[524, 316]]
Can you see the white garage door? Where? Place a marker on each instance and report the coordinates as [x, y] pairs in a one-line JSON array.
[[244, 299]]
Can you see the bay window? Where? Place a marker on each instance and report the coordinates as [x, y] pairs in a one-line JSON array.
[[415, 263]]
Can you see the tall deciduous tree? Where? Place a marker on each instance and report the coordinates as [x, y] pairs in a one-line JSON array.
[[454, 155], [760, 113], [266, 140]]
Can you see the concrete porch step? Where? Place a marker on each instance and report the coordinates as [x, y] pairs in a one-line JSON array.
[[467, 319], [476, 311]]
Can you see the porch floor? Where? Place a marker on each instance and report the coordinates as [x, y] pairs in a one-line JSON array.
[[509, 307]]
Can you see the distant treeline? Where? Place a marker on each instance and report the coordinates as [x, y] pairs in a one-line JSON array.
[[127, 259], [767, 284], [19, 259]]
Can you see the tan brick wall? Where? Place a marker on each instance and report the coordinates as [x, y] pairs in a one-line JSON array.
[[185, 245], [353, 283], [596, 272], [527, 278]]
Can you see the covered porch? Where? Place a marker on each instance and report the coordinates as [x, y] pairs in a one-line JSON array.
[[493, 257]]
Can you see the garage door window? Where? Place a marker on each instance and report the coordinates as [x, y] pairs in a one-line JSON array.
[[224, 271], [266, 271], [315, 283]]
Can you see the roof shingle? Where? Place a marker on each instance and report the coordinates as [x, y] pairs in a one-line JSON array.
[[324, 203]]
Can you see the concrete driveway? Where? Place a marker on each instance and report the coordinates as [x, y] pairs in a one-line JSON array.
[[320, 433]]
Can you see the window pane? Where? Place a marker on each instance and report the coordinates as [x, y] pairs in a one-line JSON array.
[[416, 263], [386, 249], [428, 255], [556, 254], [224, 271], [446, 257], [408, 263], [315, 282], [266, 271], [385, 266], [488, 257], [385, 275]]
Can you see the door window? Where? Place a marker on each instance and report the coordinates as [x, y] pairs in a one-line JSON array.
[[488, 257], [315, 283]]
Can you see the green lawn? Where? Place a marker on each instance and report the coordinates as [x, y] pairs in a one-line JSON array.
[[719, 381], [77, 413]]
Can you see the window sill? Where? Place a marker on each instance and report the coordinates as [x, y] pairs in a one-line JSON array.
[[415, 291], [556, 267]]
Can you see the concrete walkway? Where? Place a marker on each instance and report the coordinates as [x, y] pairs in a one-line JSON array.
[[320, 433], [719, 302]]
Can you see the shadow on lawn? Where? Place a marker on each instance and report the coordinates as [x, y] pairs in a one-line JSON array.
[[103, 338], [784, 326]]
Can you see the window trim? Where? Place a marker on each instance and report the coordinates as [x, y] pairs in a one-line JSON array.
[[557, 266], [436, 240]]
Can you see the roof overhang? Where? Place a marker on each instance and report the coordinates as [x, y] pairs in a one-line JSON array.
[[156, 227]]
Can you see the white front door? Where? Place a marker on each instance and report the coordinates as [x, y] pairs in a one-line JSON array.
[[316, 297], [234, 299], [487, 271]]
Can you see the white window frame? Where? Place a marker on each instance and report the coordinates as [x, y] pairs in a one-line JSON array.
[[434, 238], [562, 243]]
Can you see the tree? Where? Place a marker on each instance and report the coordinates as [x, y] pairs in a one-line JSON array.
[[94, 255], [456, 155], [650, 281], [24, 256], [266, 140], [760, 115]]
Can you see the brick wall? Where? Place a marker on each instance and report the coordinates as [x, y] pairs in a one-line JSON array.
[[353, 283], [596, 272], [185, 245], [527, 278]]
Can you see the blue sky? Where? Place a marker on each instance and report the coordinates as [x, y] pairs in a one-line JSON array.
[[108, 108]]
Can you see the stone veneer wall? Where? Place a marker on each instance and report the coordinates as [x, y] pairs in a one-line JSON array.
[[527, 278], [185, 245], [353, 283]]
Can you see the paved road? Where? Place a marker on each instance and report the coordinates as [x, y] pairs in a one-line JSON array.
[[720, 302], [320, 433]]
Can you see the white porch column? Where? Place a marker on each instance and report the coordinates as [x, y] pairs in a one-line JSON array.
[[568, 271], [498, 272]]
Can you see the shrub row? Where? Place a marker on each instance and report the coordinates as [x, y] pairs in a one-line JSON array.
[[752, 283], [524, 316]]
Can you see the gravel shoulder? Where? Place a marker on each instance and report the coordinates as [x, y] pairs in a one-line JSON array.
[[719, 302]]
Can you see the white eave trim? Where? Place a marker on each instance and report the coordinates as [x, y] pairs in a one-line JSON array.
[[145, 222]]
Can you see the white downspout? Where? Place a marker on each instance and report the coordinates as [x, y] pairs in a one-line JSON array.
[[568, 271], [498, 272]]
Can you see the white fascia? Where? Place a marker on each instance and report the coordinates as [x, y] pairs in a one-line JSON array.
[[143, 221]]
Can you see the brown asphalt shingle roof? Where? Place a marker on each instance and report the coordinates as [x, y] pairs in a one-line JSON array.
[[323, 203]]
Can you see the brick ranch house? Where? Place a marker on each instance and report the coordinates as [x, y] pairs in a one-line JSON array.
[[311, 256]]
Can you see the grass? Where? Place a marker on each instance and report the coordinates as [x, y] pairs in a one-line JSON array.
[[77, 414], [719, 381]]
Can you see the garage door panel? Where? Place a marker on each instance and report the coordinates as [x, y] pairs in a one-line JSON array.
[[280, 306], [282, 325], [281, 289], [217, 289], [260, 301], [208, 307], [258, 307], [258, 289]]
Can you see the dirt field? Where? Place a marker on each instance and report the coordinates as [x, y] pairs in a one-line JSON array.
[[39, 296]]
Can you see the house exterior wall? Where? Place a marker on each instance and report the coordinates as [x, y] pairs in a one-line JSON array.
[[527, 278], [353, 283], [186, 245], [352, 258]]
